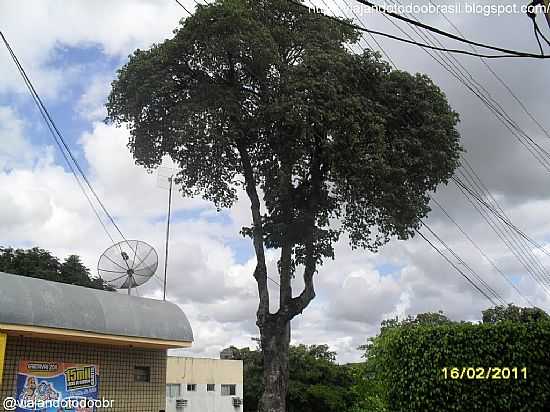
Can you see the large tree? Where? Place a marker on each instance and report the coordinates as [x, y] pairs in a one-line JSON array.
[[263, 94]]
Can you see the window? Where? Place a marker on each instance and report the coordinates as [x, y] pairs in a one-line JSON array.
[[229, 390], [173, 390], [191, 387], [142, 374], [210, 387]]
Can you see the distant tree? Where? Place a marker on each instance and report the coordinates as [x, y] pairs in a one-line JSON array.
[[252, 376], [513, 313], [35, 262], [316, 382], [39, 263], [265, 96]]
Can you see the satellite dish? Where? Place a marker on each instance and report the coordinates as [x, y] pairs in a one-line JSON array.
[[127, 264]]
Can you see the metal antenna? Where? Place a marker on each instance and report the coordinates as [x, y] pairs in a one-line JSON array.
[[168, 175], [171, 180]]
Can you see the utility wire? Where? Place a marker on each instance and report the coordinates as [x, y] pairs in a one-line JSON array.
[[485, 256], [480, 280], [520, 253], [183, 7], [363, 37], [457, 268], [45, 112], [467, 79], [520, 244], [453, 69], [51, 127], [427, 46], [500, 216], [447, 34], [484, 284], [499, 78]]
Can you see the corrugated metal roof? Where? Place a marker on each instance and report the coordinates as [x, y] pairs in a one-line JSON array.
[[37, 302]]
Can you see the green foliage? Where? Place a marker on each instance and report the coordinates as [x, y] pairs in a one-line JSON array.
[[316, 382], [406, 362], [39, 263], [327, 132], [513, 313]]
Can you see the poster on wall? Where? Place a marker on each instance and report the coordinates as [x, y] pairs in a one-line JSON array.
[[56, 386]]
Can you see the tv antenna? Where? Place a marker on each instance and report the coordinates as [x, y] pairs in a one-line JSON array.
[[127, 264], [166, 176]]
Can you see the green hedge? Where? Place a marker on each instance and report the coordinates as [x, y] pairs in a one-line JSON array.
[[408, 362]]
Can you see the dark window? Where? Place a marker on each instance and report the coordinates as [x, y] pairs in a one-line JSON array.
[[191, 387], [142, 374], [210, 387], [229, 390]]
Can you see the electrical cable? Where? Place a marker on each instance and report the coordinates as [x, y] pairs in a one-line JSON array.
[[485, 256], [446, 34], [45, 117], [491, 291], [45, 111], [496, 76], [500, 216], [537, 151], [456, 268]]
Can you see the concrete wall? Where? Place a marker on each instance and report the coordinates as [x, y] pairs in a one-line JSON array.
[[116, 370], [199, 371]]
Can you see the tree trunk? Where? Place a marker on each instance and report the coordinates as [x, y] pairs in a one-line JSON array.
[[275, 339]]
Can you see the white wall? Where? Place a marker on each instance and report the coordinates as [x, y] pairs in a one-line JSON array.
[[199, 371], [203, 401]]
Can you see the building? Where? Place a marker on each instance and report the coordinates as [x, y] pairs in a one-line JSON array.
[[204, 385], [93, 340]]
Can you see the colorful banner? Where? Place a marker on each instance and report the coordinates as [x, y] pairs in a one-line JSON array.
[[3, 340], [56, 386]]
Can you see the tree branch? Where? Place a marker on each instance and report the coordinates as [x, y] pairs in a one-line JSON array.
[[285, 264], [260, 273], [298, 304]]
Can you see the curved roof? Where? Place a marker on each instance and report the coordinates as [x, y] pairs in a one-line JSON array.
[[36, 302]]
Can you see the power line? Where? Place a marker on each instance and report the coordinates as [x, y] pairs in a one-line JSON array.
[[500, 216], [484, 284], [461, 77], [499, 78], [53, 129], [482, 191], [518, 249], [538, 152], [480, 280], [485, 256], [183, 7], [458, 258], [456, 268], [447, 34], [371, 35]]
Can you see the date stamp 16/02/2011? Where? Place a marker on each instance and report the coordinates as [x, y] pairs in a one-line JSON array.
[[484, 373]]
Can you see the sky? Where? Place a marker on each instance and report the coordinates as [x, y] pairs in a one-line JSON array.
[[72, 50]]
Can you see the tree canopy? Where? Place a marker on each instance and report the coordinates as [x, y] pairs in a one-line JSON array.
[[39, 263]]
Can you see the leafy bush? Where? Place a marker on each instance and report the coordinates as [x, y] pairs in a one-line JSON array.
[[406, 362]]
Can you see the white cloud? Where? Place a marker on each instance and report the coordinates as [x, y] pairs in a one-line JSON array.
[[15, 149]]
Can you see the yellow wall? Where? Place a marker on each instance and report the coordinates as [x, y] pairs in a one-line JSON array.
[[116, 370], [3, 339], [203, 371]]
